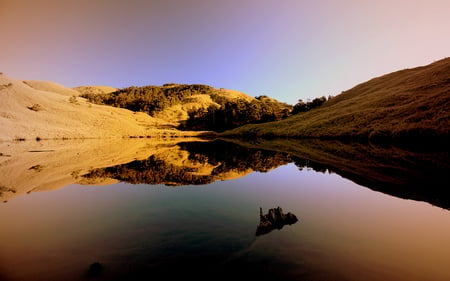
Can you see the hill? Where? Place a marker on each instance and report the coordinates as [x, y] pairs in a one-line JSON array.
[[195, 106], [51, 87], [411, 104], [83, 90], [46, 110]]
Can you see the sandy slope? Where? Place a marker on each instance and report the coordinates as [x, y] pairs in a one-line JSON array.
[[29, 113]]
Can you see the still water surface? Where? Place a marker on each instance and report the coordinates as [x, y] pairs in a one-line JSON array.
[[138, 231]]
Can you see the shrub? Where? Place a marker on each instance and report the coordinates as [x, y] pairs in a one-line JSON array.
[[35, 107], [73, 99]]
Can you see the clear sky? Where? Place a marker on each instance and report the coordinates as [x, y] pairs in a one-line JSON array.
[[287, 49]]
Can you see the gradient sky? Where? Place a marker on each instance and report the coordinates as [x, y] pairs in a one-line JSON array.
[[287, 49]]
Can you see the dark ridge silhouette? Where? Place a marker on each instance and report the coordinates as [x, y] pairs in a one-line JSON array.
[[416, 175], [274, 219]]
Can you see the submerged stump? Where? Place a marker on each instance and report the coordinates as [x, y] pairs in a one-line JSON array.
[[274, 219]]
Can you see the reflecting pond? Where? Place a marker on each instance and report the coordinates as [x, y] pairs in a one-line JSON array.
[[269, 210]]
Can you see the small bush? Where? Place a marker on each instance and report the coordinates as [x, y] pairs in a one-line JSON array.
[[4, 86], [73, 99], [35, 107]]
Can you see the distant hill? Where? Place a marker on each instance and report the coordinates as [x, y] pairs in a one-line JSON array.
[[51, 87], [33, 110], [411, 104], [194, 106], [83, 90]]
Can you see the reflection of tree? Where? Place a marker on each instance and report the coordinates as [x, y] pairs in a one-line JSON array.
[[274, 219], [223, 156], [227, 156], [150, 171], [305, 163]]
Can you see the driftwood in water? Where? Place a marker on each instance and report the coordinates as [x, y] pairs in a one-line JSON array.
[[274, 219]]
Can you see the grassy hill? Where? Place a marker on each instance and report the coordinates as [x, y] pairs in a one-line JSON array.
[[192, 106], [33, 110], [83, 90], [411, 104]]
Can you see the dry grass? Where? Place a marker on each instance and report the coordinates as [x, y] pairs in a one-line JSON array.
[[411, 103], [51, 87], [95, 89], [30, 114]]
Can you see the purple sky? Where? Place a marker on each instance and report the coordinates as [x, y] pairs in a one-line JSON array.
[[287, 49]]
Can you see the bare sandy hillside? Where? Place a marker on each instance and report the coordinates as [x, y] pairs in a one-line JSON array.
[[29, 113]]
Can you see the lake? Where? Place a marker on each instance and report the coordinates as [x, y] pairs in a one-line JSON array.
[[265, 210]]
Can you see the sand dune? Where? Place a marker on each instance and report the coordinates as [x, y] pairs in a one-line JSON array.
[[34, 112]]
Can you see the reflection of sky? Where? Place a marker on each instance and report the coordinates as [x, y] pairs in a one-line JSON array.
[[289, 50], [343, 228]]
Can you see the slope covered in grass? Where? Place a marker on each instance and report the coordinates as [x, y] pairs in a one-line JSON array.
[[45, 110], [190, 106], [404, 105]]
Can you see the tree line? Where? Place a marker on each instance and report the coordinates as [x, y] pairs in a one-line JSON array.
[[149, 99], [235, 113], [225, 114]]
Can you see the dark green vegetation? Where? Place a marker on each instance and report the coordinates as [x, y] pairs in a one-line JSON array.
[[232, 114], [223, 112], [149, 99], [411, 105]]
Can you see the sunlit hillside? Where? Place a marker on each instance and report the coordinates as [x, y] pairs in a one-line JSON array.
[[95, 89], [194, 106], [404, 105], [34, 110]]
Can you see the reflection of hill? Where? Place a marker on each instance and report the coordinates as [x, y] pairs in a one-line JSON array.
[[37, 166], [48, 165], [206, 162], [422, 176]]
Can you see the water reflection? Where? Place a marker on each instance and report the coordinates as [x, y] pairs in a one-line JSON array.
[[125, 231], [402, 173], [420, 176], [274, 219], [203, 163], [417, 175]]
